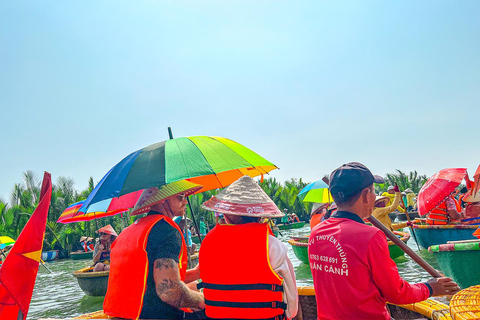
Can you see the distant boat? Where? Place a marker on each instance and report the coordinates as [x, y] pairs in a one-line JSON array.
[[294, 225], [430, 235], [49, 255], [79, 255]]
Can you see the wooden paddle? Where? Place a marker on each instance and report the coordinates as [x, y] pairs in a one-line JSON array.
[[390, 235], [410, 225]]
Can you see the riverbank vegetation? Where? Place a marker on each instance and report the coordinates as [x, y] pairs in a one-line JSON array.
[[24, 198]]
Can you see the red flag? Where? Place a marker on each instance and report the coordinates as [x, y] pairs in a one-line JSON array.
[[18, 272]]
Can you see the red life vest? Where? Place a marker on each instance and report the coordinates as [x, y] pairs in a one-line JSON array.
[[439, 215], [129, 268], [238, 280]]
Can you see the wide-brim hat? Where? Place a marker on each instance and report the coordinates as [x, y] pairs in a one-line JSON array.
[[83, 238], [472, 198], [379, 199], [244, 197], [408, 190], [108, 229], [152, 196]]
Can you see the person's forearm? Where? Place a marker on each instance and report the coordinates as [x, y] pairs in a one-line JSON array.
[[178, 295], [96, 257], [192, 275]]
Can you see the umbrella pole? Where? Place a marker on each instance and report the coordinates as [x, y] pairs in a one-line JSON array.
[[424, 264], [170, 135], [194, 220]]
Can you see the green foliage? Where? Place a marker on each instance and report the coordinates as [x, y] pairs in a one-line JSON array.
[[412, 180], [285, 196]]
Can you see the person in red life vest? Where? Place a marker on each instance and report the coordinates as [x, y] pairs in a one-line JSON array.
[[148, 274], [101, 252], [353, 274], [318, 213], [245, 271], [447, 212]]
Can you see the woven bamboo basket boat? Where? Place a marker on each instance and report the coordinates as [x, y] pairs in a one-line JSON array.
[[92, 283], [429, 235], [300, 246], [460, 261], [465, 305]]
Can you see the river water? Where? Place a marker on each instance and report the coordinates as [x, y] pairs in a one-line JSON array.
[[57, 294]]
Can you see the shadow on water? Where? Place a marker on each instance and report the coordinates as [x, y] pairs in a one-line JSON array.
[[58, 295]]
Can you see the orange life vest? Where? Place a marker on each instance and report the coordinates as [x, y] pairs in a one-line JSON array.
[[129, 268], [316, 219], [439, 215], [238, 280]]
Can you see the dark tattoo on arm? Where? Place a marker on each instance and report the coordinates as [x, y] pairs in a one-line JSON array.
[[170, 288]]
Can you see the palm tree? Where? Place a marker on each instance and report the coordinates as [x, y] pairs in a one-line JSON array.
[[412, 180]]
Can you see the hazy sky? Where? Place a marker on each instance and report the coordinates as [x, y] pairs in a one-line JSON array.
[[308, 85]]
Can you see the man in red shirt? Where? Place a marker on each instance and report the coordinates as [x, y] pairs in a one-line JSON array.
[[353, 273]]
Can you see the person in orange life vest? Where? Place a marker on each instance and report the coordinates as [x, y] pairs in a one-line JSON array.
[[89, 245], [446, 212], [381, 211], [353, 274], [148, 275], [101, 252], [245, 270], [318, 214]]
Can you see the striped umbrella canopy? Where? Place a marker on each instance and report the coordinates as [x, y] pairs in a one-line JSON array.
[[104, 208], [316, 192], [212, 162], [5, 241]]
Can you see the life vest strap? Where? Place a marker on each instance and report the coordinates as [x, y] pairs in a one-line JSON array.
[[250, 305], [234, 287]]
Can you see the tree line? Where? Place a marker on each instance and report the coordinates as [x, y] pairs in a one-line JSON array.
[[25, 196]]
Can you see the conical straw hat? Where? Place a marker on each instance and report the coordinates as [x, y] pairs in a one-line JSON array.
[[379, 199], [244, 197], [152, 196], [108, 229]]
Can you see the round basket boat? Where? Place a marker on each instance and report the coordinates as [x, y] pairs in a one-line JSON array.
[[403, 217], [459, 261], [79, 255], [92, 283], [466, 304], [294, 225], [429, 235], [49, 255], [300, 246]]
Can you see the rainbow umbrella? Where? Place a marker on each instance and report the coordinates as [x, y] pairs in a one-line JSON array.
[[212, 162], [104, 208], [5, 241], [316, 192]]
